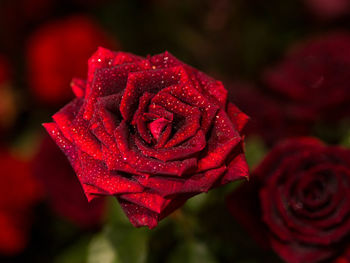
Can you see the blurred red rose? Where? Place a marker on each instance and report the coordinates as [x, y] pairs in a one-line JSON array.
[[58, 51], [19, 191], [345, 258], [328, 9], [17, 16], [5, 70], [299, 199], [63, 189], [315, 78], [270, 117], [152, 132]]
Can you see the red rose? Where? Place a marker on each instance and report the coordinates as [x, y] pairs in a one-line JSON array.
[[328, 9], [58, 51], [63, 189], [303, 206], [18, 193], [151, 131], [315, 77]]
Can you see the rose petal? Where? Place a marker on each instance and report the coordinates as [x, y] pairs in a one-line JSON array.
[[238, 118], [147, 81], [185, 150], [138, 215], [198, 183], [149, 165], [78, 86], [222, 141]]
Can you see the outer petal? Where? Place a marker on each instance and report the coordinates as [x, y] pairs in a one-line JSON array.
[[198, 183], [238, 118], [295, 253], [138, 215], [222, 141]]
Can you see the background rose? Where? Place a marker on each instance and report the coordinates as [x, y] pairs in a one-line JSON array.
[[303, 206], [314, 78], [53, 56], [277, 121], [153, 132], [19, 192], [63, 189], [8, 109], [329, 8]]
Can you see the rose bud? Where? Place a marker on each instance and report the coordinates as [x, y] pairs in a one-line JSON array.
[[19, 192], [298, 201], [152, 132], [63, 189], [59, 50], [314, 77]]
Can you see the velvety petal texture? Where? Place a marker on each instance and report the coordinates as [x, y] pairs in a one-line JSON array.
[[299, 198], [152, 132]]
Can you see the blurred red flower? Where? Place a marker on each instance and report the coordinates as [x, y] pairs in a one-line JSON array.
[[298, 200], [19, 191], [345, 258], [17, 16], [8, 109], [328, 9], [63, 189], [58, 51], [270, 117], [315, 78]]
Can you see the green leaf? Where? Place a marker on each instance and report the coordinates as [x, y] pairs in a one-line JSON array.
[[76, 253], [101, 250], [129, 243], [255, 151], [195, 203], [119, 241], [192, 252], [116, 216]]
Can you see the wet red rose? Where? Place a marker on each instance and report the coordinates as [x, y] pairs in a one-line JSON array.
[[328, 9], [151, 131], [63, 189], [19, 191], [299, 199], [315, 77], [59, 50]]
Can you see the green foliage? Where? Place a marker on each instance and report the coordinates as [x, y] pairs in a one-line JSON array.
[[119, 241], [76, 253], [192, 252], [255, 150]]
